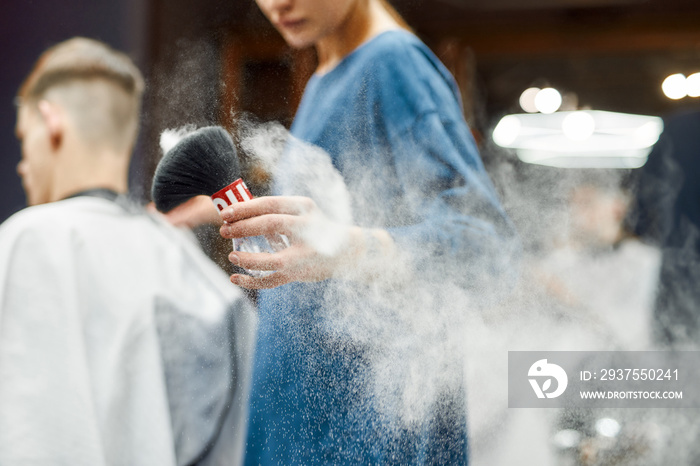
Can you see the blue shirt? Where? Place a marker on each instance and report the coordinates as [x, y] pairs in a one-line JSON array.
[[389, 116]]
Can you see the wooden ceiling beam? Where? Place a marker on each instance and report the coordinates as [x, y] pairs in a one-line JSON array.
[[530, 36]]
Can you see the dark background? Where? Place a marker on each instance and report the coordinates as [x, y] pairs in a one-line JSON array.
[[205, 59]]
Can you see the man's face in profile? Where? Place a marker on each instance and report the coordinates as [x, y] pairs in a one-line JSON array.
[[36, 166]]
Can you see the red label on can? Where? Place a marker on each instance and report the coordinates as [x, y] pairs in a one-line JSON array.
[[231, 194]]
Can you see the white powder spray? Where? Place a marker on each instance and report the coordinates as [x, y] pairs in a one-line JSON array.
[[420, 336], [301, 169], [170, 137], [414, 335]]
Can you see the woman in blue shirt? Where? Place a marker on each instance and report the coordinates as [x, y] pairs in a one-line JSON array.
[[388, 114]]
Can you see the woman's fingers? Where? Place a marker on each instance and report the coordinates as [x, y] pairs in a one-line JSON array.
[[286, 215], [258, 283], [197, 211], [287, 205], [292, 264], [263, 225], [265, 261]]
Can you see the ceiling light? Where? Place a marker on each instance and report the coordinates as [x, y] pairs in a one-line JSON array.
[[578, 126], [507, 130], [581, 139], [548, 100], [692, 85], [607, 427], [527, 99], [674, 86]]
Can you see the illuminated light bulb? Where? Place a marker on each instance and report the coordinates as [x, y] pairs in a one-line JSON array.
[[548, 100], [567, 438], [692, 85], [647, 134], [578, 126], [607, 427], [675, 86], [507, 130], [527, 99]]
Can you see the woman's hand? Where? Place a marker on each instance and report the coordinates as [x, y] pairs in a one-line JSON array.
[[319, 248], [197, 211]]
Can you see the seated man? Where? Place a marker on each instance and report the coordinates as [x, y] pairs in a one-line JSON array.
[[120, 342]]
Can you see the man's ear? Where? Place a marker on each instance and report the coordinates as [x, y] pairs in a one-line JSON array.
[[55, 123]]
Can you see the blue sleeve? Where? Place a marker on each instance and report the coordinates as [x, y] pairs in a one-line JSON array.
[[459, 229]]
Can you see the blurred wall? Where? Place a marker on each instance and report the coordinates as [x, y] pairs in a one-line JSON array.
[[207, 59]]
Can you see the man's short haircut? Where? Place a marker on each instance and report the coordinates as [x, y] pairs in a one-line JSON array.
[[101, 87]]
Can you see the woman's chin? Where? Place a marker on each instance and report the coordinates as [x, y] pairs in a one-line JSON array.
[[298, 41]]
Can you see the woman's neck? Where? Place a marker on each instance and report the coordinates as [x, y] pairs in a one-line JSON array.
[[364, 21]]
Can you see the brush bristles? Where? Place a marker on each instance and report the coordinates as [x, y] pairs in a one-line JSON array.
[[203, 162]]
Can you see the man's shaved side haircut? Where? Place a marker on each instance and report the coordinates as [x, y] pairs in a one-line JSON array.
[[99, 86]]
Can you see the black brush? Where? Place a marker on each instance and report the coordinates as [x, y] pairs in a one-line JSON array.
[[203, 162]]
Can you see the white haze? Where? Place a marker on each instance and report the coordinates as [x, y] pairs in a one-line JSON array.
[[305, 170], [169, 138], [415, 336], [407, 371], [419, 337]]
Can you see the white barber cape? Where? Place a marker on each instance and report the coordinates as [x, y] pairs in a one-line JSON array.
[[120, 342]]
